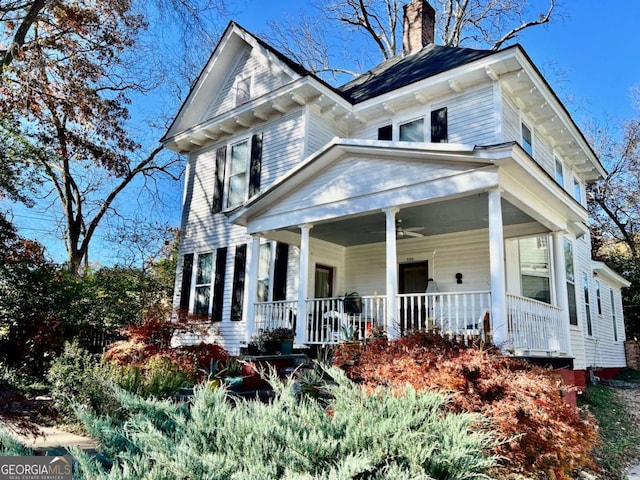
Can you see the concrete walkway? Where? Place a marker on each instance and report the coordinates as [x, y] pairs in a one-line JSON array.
[[634, 473], [54, 441]]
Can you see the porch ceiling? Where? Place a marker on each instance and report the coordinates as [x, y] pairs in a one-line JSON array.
[[450, 216]]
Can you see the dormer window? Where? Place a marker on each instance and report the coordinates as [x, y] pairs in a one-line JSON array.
[[412, 131], [527, 139], [243, 90]]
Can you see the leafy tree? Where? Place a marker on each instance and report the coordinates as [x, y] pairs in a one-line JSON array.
[[614, 205], [70, 71], [312, 40]]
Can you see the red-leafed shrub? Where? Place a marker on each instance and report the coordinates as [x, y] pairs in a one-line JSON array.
[[541, 432]]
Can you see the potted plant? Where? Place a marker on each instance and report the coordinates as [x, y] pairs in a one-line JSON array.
[[284, 338], [211, 373], [232, 374], [256, 345]]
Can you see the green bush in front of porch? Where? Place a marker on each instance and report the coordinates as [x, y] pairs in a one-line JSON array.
[[357, 435], [541, 433]]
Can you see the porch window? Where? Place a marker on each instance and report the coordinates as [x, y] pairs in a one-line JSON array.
[[323, 282], [264, 264], [571, 282], [412, 131], [238, 173], [203, 284], [527, 139], [587, 306], [534, 268], [613, 316]]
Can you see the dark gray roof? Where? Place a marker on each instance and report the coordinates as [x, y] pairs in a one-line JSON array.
[[400, 71]]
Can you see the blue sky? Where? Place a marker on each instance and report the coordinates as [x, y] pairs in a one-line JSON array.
[[591, 57]]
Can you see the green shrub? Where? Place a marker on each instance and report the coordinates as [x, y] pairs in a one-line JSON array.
[[159, 377], [11, 447], [79, 378], [358, 435]]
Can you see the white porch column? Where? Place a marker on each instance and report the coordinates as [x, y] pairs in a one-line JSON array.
[[303, 285], [392, 275], [560, 281], [251, 280], [498, 276]]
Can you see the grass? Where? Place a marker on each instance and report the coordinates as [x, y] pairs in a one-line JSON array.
[[629, 375], [619, 435]]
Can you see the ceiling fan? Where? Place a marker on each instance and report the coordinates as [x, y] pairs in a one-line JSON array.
[[402, 232]]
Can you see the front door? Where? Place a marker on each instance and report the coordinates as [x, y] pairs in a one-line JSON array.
[[413, 278]]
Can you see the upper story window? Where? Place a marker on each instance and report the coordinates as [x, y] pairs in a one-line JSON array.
[[439, 126], [527, 139], [416, 130], [243, 90], [238, 171], [412, 131], [598, 298], [577, 190], [559, 173], [385, 133]]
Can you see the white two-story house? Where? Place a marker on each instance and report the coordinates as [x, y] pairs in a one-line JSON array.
[[446, 186]]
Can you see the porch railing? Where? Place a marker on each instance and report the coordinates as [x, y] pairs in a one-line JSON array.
[[463, 314], [271, 315], [330, 322], [535, 327]]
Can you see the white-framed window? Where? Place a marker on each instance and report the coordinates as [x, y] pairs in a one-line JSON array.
[[559, 172], [238, 166], [587, 304], [577, 190], [535, 274], [613, 315], [412, 131], [243, 90], [264, 272], [202, 299], [598, 297], [571, 282], [527, 138]]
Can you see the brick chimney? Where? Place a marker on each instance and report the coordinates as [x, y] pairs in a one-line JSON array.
[[419, 26]]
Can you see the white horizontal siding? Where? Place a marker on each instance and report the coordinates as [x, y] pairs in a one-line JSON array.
[[282, 147], [471, 117], [319, 132], [611, 352], [252, 64], [510, 121], [543, 153], [465, 252]]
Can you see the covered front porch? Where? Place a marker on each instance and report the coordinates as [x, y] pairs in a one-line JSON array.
[[446, 211]]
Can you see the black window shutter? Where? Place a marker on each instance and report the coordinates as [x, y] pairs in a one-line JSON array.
[[218, 284], [256, 164], [280, 272], [239, 269], [218, 188], [185, 289], [439, 129], [385, 133]]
